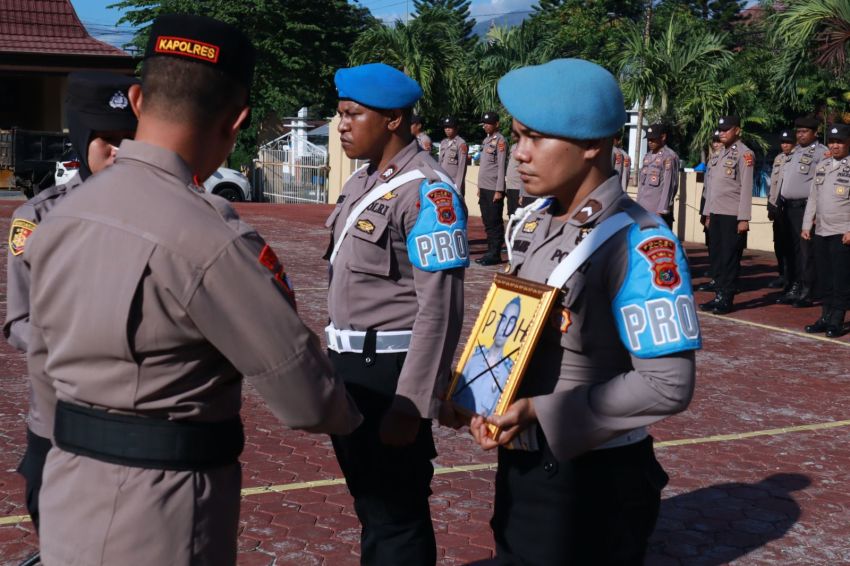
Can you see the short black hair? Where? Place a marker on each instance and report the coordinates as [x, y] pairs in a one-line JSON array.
[[189, 92]]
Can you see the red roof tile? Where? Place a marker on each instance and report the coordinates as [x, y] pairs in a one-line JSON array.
[[47, 26]]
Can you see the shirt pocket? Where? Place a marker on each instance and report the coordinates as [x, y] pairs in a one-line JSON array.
[[370, 248], [842, 192]]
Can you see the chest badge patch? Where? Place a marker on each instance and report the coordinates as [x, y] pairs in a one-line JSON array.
[[530, 227], [365, 226], [18, 234], [839, 190], [661, 255], [389, 196], [443, 199]]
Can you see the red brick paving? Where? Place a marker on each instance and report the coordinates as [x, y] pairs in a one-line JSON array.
[[780, 499]]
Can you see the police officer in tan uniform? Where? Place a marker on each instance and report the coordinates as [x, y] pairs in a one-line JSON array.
[[622, 162], [797, 177], [422, 138], [577, 480], [141, 343], [99, 116], [395, 304], [453, 154], [491, 188], [729, 209], [659, 176], [514, 189], [780, 243], [828, 212]]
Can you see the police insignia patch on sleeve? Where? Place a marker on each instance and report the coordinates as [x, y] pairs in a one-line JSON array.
[[269, 260], [749, 158], [654, 309], [438, 239], [18, 233]]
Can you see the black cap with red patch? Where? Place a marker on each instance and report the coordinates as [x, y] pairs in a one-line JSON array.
[[203, 40]]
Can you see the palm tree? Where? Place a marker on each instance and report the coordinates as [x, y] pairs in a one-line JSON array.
[[822, 26], [428, 49]]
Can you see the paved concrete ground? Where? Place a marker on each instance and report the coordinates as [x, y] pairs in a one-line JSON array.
[[758, 464]]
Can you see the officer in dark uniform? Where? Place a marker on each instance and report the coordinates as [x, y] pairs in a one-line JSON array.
[[780, 244], [491, 188], [98, 114], [798, 173], [395, 304], [578, 482], [828, 212], [138, 343]]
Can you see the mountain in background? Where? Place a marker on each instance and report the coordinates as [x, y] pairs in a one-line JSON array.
[[507, 20]]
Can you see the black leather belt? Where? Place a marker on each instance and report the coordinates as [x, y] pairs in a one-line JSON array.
[[794, 202], [142, 442]]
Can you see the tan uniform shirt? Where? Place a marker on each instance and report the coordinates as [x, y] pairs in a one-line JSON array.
[[730, 182], [150, 298], [776, 175], [373, 284], [491, 173], [622, 162], [829, 200], [513, 182], [659, 181], [453, 154], [25, 220], [587, 387], [799, 170]]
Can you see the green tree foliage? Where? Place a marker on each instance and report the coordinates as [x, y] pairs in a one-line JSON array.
[[300, 44], [459, 8]]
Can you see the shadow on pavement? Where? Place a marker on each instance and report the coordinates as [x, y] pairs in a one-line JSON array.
[[718, 524]]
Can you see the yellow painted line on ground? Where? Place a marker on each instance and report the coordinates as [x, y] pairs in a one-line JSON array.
[[247, 492], [833, 341]]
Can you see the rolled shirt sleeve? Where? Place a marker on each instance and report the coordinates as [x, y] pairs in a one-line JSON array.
[[259, 332]]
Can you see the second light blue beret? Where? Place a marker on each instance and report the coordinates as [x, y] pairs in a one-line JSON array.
[[569, 98], [378, 86]]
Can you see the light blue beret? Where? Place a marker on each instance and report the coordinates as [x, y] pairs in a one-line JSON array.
[[378, 86], [569, 98]]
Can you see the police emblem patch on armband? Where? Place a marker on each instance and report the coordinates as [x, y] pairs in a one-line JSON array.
[[438, 239], [18, 234], [443, 199], [530, 227], [627, 161], [118, 101], [661, 255], [365, 226]]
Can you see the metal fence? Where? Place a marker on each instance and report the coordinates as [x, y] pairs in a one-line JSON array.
[[292, 170]]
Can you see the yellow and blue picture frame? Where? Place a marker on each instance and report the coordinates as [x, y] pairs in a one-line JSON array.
[[496, 355]]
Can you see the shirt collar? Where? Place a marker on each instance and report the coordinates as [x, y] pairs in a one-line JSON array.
[[155, 156], [602, 198], [398, 162]]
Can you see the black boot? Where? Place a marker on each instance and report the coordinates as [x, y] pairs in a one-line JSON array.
[[804, 300], [709, 306], [792, 295], [836, 324], [778, 283], [710, 286], [820, 325], [724, 302]]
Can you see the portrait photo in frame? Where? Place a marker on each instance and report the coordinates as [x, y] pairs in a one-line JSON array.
[[496, 355]]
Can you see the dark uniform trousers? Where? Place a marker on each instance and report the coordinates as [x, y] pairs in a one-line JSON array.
[[494, 223], [833, 262], [598, 509], [390, 485], [781, 245], [725, 250], [32, 469], [516, 201], [799, 257]]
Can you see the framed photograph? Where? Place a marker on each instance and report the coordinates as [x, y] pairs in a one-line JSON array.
[[496, 355]]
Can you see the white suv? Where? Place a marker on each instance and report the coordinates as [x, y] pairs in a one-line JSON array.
[[226, 183]]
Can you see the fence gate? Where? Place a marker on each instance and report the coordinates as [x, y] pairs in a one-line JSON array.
[[290, 169]]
